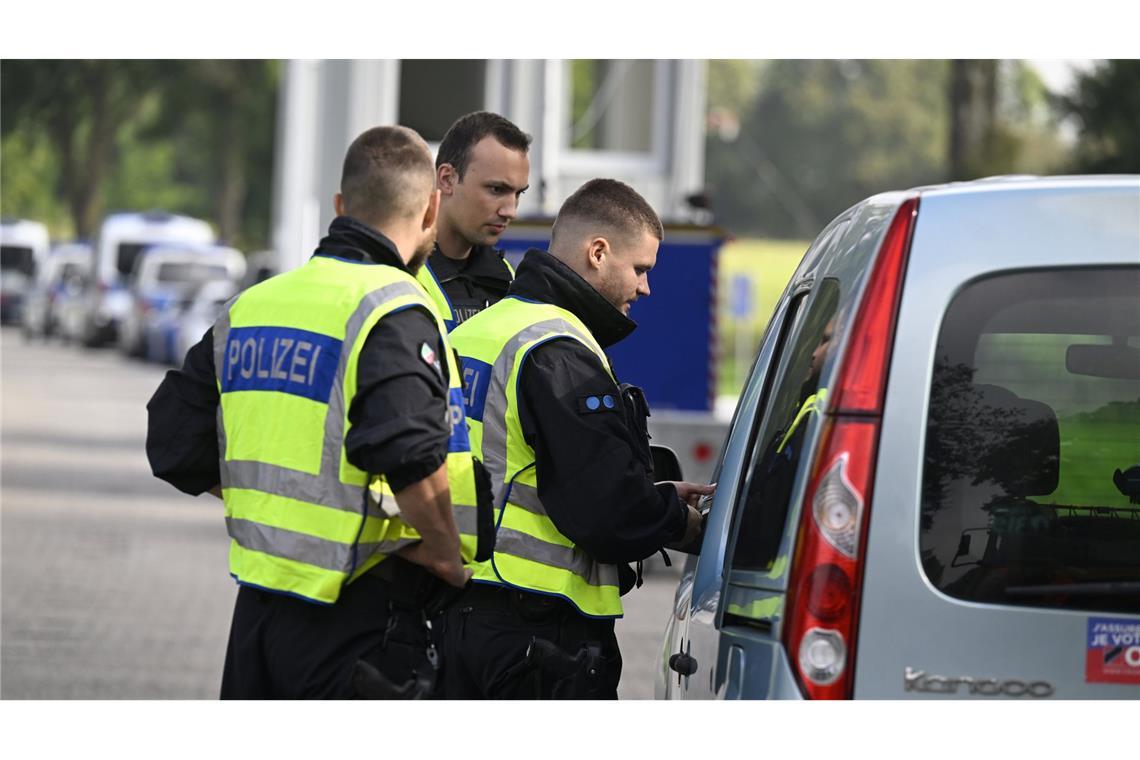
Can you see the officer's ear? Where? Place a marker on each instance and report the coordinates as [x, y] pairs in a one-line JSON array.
[[432, 212], [338, 204], [446, 178], [597, 250]]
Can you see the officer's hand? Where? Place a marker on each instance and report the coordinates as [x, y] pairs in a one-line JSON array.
[[448, 569], [691, 493]]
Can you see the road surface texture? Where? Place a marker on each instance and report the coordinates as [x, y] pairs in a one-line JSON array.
[[113, 585]]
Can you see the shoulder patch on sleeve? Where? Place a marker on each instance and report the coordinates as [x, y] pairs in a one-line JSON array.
[[427, 353], [597, 402]]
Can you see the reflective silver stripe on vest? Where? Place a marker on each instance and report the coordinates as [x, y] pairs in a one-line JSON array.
[[521, 495], [495, 414], [466, 518], [301, 547], [516, 543], [325, 488], [526, 496]]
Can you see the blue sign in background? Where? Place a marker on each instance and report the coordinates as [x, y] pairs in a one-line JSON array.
[[671, 354], [740, 303]]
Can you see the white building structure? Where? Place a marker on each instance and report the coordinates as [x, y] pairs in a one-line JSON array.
[[640, 121]]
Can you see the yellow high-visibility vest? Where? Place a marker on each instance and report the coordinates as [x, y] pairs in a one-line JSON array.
[[530, 553], [302, 519]]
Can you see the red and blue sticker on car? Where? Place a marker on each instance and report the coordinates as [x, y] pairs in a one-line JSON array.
[[1112, 653]]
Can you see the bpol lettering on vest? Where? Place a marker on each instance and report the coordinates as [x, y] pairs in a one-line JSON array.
[[280, 359], [459, 440]]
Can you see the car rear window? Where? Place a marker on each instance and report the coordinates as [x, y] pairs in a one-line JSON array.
[[1031, 476]]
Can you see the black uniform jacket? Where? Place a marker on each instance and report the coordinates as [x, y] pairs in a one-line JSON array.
[[474, 283], [594, 486], [398, 418]]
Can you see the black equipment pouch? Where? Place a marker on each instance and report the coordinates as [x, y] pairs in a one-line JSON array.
[[578, 676], [484, 513], [410, 641], [370, 683], [637, 421]]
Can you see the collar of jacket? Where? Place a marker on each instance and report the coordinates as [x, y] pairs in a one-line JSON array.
[[484, 265], [541, 277], [356, 241]]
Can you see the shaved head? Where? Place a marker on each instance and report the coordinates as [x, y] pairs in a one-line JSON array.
[[388, 176], [606, 208]]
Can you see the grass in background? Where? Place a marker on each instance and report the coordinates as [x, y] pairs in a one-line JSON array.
[[768, 264]]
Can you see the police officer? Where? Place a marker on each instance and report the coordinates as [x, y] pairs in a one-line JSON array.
[[482, 170], [324, 407], [569, 464]]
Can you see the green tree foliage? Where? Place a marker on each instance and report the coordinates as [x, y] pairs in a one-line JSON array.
[[1106, 104], [793, 143], [821, 135], [79, 107], [82, 138]]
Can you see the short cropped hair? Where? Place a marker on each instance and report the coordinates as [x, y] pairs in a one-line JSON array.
[[608, 205], [468, 130], [387, 174]]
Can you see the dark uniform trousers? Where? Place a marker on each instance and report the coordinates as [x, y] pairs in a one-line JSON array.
[[500, 643], [283, 647]]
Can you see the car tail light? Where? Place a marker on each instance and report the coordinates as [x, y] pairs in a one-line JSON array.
[[863, 375], [827, 567]]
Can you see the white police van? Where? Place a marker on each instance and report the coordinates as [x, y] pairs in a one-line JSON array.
[[122, 237]]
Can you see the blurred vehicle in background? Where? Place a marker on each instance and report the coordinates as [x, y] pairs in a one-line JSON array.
[[163, 281], [260, 265], [931, 485], [173, 336], [23, 247], [121, 238], [58, 281]]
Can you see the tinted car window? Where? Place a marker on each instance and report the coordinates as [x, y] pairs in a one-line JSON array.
[[1031, 478], [779, 450]]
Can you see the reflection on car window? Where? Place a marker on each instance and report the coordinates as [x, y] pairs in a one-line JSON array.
[[1031, 479], [797, 399]]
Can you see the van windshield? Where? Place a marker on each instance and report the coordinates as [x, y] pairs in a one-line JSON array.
[[127, 254], [15, 258], [1031, 479]]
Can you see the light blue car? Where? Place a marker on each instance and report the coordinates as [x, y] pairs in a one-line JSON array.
[[931, 486]]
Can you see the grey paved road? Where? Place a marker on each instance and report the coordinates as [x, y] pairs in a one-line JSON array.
[[114, 585]]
